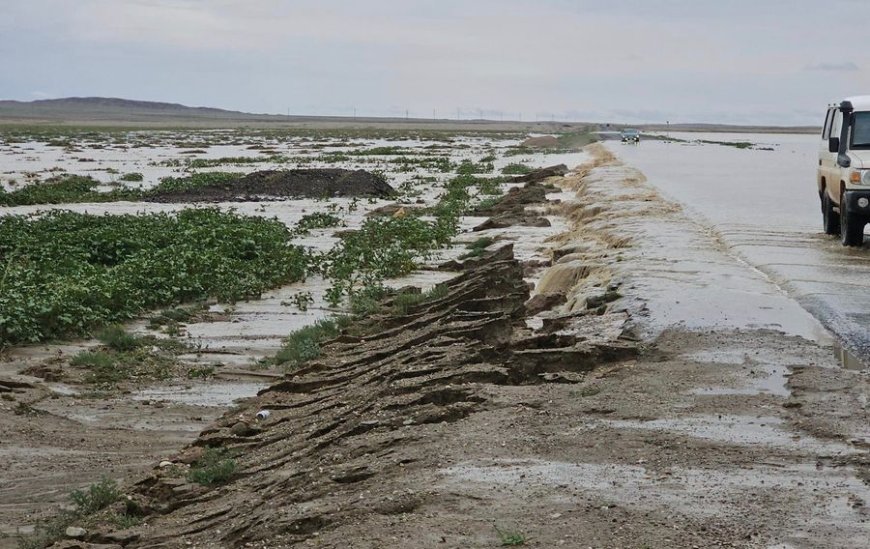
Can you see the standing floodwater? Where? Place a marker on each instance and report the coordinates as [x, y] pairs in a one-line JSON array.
[[762, 201]]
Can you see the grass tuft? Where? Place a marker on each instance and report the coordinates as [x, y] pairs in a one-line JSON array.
[[304, 344], [213, 468], [118, 339], [509, 538]]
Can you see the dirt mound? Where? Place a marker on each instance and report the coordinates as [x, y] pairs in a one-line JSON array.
[[511, 209], [347, 429], [301, 183]]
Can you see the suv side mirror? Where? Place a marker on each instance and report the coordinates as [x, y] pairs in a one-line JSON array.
[[833, 144], [844, 161]]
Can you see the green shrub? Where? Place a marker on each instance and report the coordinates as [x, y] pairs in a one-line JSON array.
[[304, 344], [318, 220], [101, 366], [467, 167], [477, 248], [86, 502], [516, 169], [96, 497], [214, 467], [117, 339], [133, 176]]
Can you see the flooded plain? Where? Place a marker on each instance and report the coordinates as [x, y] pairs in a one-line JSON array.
[[697, 405], [227, 345], [762, 204]]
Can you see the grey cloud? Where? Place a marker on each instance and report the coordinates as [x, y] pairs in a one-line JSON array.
[[846, 66]]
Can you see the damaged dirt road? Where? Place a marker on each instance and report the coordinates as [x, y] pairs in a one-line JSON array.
[[627, 401]]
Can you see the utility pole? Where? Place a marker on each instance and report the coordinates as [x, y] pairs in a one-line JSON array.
[[354, 113], [457, 113]]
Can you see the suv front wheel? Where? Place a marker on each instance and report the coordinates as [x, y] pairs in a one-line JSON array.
[[830, 218], [851, 226]]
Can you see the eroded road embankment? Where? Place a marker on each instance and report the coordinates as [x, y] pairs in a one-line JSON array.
[[633, 401]]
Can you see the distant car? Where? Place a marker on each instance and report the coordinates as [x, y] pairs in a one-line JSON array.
[[844, 169], [630, 135]]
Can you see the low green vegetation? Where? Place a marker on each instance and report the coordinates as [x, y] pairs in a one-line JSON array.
[[381, 151], [170, 319], [318, 220], [487, 203], [95, 497], [192, 182], [64, 190], [478, 247], [405, 302], [197, 163], [64, 274], [467, 167], [133, 176], [440, 164], [304, 344], [118, 339], [509, 538], [71, 189], [516, 169], [125, 356], [213, 468]]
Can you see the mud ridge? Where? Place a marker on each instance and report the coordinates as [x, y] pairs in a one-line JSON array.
[[356, 418]]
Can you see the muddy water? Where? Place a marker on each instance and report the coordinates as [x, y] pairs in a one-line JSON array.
[[763, 206]]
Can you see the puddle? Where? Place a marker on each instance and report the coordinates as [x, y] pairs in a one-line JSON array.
[[201, 394], [849, 360]]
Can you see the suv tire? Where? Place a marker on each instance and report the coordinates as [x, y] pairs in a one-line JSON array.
[[830, 218], [851, 227]]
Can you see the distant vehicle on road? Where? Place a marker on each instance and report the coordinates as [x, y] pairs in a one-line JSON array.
[[630, 135], [844, 169]]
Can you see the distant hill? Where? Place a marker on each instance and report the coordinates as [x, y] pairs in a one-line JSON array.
[[110, 111], [114, 109]]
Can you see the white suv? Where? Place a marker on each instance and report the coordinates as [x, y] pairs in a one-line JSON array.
[[844, 169]]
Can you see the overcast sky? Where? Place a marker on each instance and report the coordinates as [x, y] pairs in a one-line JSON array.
[[733, 61]]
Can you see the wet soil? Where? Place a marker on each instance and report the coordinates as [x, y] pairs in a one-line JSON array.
[[650, 391], [298, 183], [512, 209]]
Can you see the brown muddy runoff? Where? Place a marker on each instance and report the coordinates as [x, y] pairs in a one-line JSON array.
[[547, 414]]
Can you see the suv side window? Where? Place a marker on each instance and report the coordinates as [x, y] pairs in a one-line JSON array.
[[836, 124], [826, 129]]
